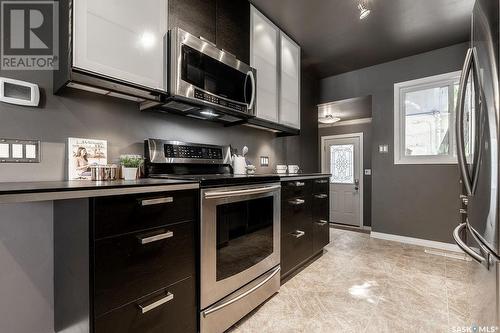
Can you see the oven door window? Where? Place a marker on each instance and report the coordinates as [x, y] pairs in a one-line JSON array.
[[214, 76], [244, 235]]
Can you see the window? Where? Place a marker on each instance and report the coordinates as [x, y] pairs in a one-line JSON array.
[[424, 120], [342, 164]]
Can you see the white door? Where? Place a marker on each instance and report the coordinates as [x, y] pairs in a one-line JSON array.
[[264, 58], [122, 39], [290, 83], [342, 160]]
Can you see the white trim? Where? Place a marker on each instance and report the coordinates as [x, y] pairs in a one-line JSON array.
[[399, 87], [347, 122], [361, 166], [416, 241]]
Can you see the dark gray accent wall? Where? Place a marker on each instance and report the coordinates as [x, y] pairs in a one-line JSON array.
[[409, 200], [303, 149], [366, 129]]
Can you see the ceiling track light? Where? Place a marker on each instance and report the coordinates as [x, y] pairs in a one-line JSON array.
[[363, 11]]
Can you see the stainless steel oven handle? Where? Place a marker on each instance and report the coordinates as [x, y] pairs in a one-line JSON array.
[[461, 244], [462, 162], [243, 295], [156, 201], [237, 193], [254, 90], [154, 305]]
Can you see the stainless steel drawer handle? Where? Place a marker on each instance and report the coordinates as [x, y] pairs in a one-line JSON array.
[[322, 181], [236, 193], [297, 202], [156, 201], [321, 196], [154, 238], [321, 222], [298, 233], [299, 184], [461, 244], [155, 304], [223, 304]]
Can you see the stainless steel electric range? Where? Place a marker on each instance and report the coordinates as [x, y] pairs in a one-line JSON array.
[[239, 231]]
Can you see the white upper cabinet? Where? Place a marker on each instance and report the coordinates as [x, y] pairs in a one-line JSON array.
[[265, 59], [289, 113], [122, 39]]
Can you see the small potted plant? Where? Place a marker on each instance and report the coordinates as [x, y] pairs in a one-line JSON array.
[[130, 166]]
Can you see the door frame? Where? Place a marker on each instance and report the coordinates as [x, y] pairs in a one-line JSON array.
[[361, 165]]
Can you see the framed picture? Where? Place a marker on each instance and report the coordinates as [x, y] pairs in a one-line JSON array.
[[82, 153]]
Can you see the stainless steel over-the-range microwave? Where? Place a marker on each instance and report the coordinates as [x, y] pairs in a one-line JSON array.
[[206, 82]]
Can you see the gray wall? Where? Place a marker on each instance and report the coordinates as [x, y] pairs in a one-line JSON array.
[[26, 249], [410, 200], [366, 129]]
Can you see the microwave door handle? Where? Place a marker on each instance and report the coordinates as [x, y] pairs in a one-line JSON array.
[[254, 89], [462, 162]]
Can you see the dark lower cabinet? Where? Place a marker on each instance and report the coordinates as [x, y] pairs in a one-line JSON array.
[[137, 274], [174, 314], [304, 222]]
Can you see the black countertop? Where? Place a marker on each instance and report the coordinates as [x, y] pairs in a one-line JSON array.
[[58, 190]]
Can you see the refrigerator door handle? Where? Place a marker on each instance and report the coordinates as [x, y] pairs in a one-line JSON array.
[[461, 244], [462, 162]]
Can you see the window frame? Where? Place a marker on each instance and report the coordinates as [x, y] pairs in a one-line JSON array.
[[401, 88]]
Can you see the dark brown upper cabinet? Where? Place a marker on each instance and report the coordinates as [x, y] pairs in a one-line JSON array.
[[225, 23], [198, 17], [233, 28]]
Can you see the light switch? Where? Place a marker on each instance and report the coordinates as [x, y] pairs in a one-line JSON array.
[[30, 151], [4, 150], [383, 149], [17, 150], [264, 161]]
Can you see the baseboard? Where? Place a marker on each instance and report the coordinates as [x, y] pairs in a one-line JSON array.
[[417, 241]]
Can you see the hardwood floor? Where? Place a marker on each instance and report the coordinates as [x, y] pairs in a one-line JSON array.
[[361, 284]]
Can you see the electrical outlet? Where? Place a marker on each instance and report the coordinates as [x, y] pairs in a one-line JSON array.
[[264, 161], [19, 151], [368, 172]]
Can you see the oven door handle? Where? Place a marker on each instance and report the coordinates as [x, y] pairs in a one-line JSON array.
[[237, 193], [243, 295]]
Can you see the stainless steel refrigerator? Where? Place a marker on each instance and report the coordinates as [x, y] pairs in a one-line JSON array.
[[477, 129]]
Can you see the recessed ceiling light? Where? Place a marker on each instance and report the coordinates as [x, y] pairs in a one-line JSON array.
[[328, 119], [363, 11]]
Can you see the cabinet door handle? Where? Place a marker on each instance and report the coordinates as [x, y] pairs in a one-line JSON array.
[[298, 233], [156, 201], [297, 202], [322, 181], [298, 184], [146, 239], [146, 308], [322, 222], [321, 196]]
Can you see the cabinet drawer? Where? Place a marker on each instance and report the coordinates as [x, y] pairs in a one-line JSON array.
[[133, 265], [296, 188], [321, 234], [320, 185], [321, 206], [128, 213], [294, 212], [296, 246], [171, 309]]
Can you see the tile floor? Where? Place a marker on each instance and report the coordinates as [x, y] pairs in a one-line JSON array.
[[361, 284]]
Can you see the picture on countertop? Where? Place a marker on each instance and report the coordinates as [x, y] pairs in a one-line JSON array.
[[82, 154]]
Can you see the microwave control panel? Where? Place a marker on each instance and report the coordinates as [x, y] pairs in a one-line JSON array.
[[199, 94]]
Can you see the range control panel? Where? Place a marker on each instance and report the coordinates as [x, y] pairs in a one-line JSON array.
[[192, 152], [219, 101]]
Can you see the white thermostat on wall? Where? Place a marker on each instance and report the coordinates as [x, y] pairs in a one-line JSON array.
[[19, 92]]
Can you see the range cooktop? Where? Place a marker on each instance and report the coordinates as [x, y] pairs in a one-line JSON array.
[[218, 180]]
